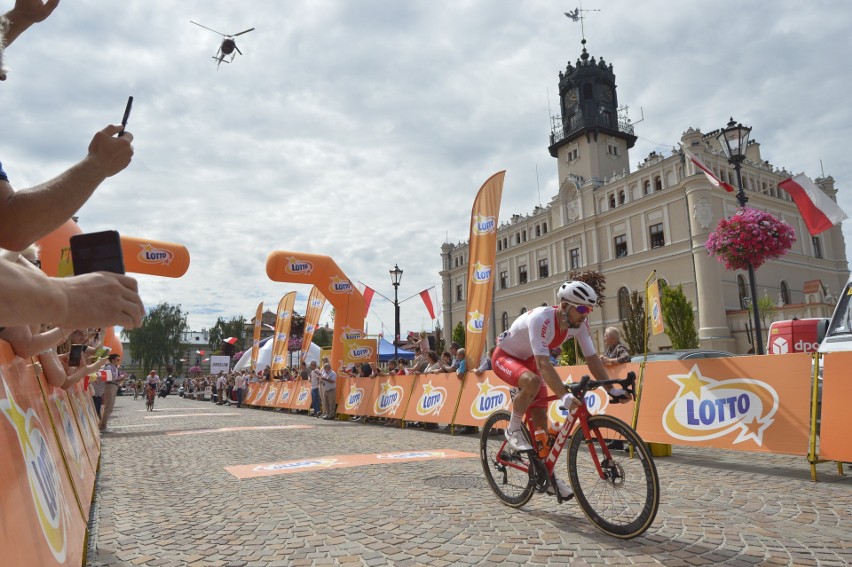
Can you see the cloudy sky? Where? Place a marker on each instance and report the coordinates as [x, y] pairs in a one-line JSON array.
[[362, 129]]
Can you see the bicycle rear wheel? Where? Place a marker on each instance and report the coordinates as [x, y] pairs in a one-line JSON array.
[[624, 503], [508, 473]]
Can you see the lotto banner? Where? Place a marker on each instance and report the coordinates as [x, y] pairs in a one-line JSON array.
[[433, 398], [259, 394], [390, 395], [729, 403], [326, 275], [40, 523], [281, 338], [248, 394], [300, 396], [255, 343], [656, 311], [359, 351], [154, 257], [279, 394], [480, 397], [355, 396], [316, 302], [270, 396], [484, 218], [835, 443], [83, 409]]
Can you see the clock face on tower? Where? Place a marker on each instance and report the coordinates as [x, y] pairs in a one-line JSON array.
[[606, 95]]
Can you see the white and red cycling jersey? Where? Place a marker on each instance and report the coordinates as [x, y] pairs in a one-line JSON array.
[[533, 334]]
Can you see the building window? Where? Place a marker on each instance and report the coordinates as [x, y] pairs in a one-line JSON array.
[[544, 228], [504, 321], [612, 201], [499, 245], [524, 235], [785, 293], [743, 292], [538, 230], [817, 247], [622, 198], [518, 238], [523, 310], [543, 270], [612, 149], [646, 188], [574, 260], [587, 91], [504, 280], [459, 292], [623, 303], [573, 154], [522, 274], [505, 242], [658, 184], [620, 246], [658, 237]]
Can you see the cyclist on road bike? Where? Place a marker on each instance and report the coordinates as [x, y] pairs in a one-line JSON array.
[[152, 383], [522, 359]]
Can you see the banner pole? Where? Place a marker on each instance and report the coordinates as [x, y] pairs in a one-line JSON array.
[[813, 458]]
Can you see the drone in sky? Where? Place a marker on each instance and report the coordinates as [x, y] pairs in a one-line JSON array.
[[228, 47]]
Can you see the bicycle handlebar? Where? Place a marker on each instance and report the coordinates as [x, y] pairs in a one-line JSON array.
[[586, 383]]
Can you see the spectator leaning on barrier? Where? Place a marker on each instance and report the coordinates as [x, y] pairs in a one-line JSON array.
[[316, 398], [329, 391], [486, 363], [460, 363], [454, 349], [616, 352]]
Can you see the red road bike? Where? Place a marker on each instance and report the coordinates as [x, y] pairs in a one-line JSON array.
[[610, 468]]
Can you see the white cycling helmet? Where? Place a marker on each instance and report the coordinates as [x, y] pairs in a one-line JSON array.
[[578, 293]]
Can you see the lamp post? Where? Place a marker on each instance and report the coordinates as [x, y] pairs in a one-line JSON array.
[[396, 276], [734, 139]]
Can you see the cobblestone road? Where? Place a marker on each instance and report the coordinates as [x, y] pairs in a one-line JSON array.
[[167, 500]]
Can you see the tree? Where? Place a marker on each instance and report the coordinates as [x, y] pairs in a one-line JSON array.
[[458, 334], [233, 327], [323, 337], [158, 341], [678, 317], [765, 307], [439, 339], [595, 279], [635, 325]]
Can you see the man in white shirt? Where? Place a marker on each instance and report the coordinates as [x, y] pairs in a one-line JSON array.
[[316, 399], [240, 385], [329, 391]]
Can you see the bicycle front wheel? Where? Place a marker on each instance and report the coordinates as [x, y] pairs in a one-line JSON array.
[[622, 496], [508, 473]]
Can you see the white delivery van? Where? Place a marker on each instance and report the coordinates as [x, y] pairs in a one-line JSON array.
[[838, 336]]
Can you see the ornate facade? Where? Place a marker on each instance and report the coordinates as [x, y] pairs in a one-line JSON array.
[[626, 223]]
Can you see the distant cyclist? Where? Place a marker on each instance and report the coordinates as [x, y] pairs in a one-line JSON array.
[[152, 383], [522, 359]]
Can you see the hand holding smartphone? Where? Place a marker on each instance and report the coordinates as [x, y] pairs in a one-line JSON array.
[[97, 252], [75, 356]]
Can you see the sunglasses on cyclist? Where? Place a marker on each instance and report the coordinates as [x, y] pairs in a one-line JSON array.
[[581, 309]]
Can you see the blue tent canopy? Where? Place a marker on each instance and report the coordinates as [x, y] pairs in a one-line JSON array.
[[386, 351]]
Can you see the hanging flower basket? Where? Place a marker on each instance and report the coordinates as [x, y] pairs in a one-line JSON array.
[[195, 371], [750, 236]]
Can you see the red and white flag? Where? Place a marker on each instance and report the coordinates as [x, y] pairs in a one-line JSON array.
[[231, 340], [201, 352], [715, 181], [818, 210], [427, 301], [368, 293]]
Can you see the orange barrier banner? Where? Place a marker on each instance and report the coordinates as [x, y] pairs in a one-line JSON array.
[[259, 393], [270, 395], [729, 403], [154, 257], [355, 395], [87, 421], [480, 397], [343, 461], [433, 398], [359, 351], [597, 401], [484, 217], [390, 395], [248, 396], [835, 443], [300, 399], [39, 523]]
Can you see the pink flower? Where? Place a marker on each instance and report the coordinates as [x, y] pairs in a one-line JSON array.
[[750, 236]]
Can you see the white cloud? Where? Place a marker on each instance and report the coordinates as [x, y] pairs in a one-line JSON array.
[[363, 129]]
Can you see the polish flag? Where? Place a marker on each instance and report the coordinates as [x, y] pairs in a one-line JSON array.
[[201, 352], [427, 300], [368, 294], [714, 181], [818, 210], [231, 340]]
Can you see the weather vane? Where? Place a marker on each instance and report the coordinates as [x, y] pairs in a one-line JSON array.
[[577, 16]]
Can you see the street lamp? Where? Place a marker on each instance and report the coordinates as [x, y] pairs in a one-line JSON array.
[[396, 276], [734, 140]]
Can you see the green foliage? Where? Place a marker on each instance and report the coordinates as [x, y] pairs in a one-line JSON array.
[[595, 279], [458, 334], [765, 307], [439, 339], [635, 330], [234, 327], [678, 317], [158, 341], [323, 337], [571, 354]]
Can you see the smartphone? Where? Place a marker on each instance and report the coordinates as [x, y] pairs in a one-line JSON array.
[[126, 115], [103, 352], [75, 356], [97, 252]]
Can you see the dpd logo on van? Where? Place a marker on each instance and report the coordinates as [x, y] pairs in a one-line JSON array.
[[298, 267], [44, 478], [340, 286], [151, 255], [431, 400], [354, 398], [704, 408], [483, 225], [481, 273], [490, 399], [475, 321], [388, 399]]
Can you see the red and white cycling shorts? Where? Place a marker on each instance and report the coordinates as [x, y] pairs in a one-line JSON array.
[[509, 369]]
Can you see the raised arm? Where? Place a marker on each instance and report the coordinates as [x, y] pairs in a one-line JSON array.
[[26, 13]]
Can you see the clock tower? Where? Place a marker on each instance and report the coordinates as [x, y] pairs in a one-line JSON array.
[[589, 140]]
